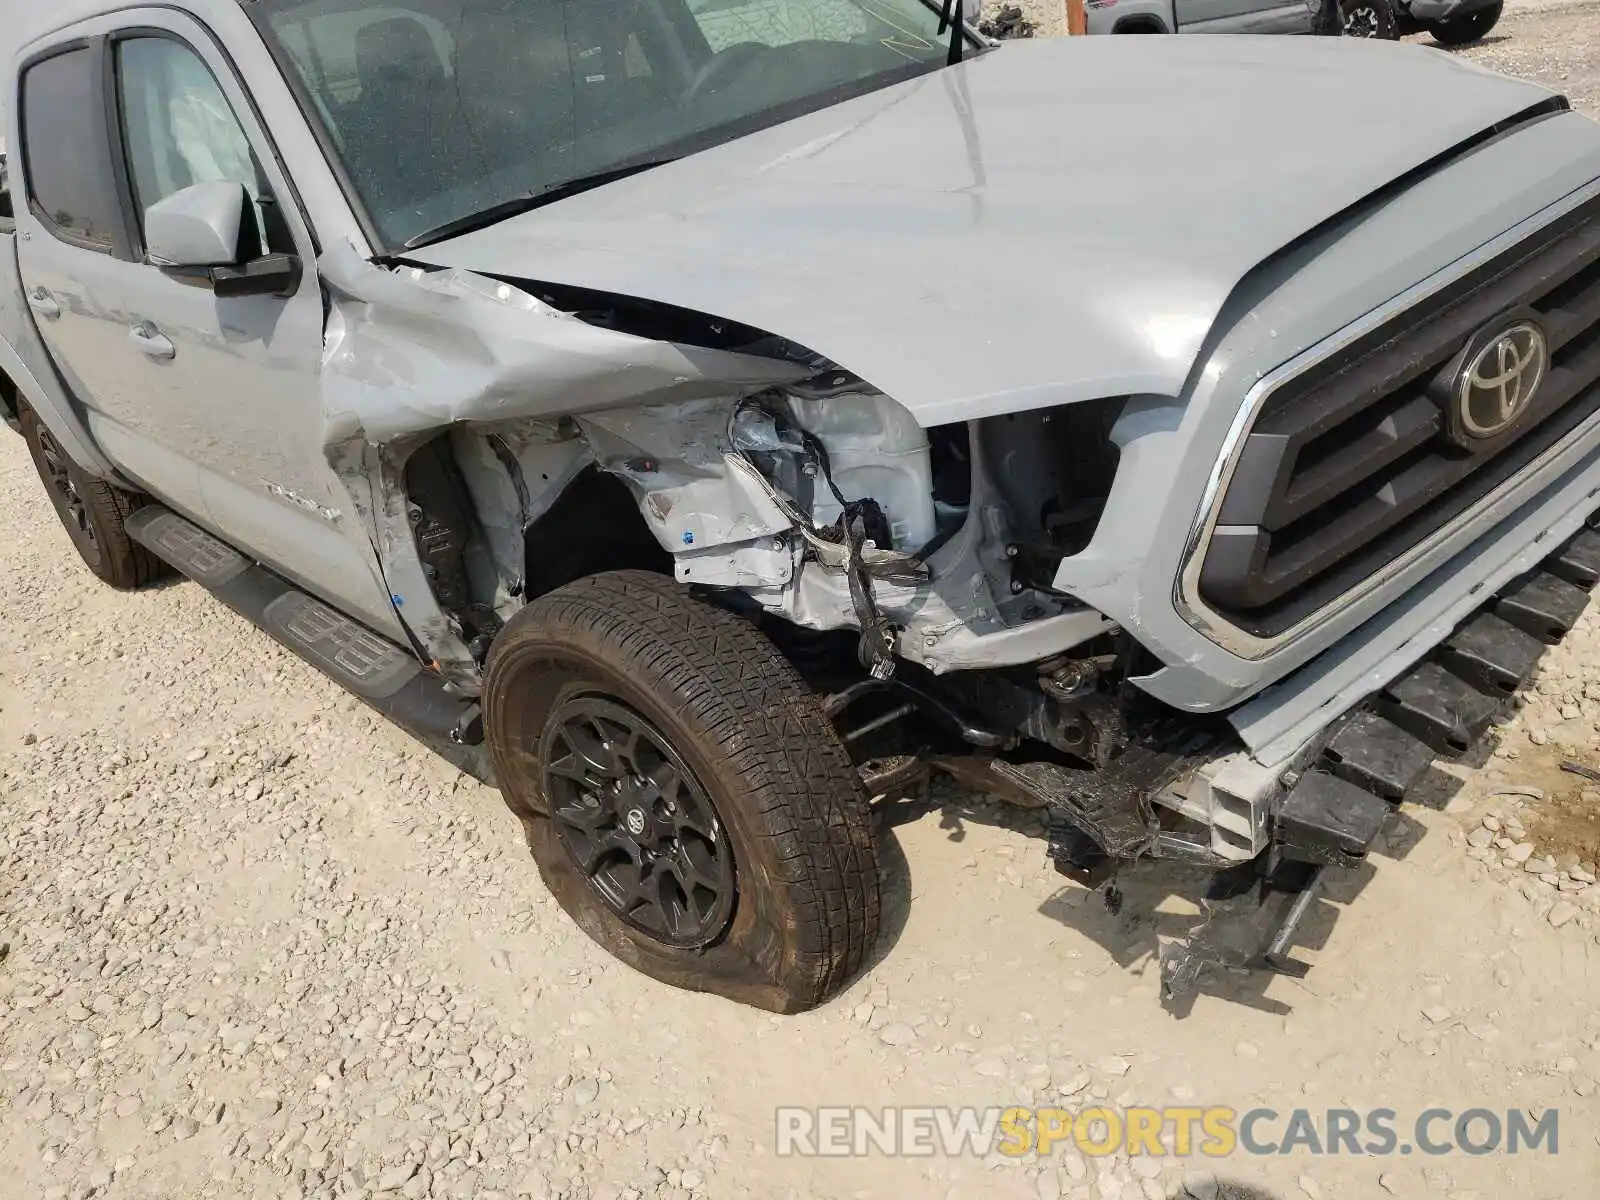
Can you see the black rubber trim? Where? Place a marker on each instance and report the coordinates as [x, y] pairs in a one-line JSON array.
[[1377, 755], [1330, 820], [1438, 708], [1544, 605], [1491, 654], [1579, 560]]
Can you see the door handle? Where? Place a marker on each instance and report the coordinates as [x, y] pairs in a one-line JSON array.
[[43, 303], [150, 341]]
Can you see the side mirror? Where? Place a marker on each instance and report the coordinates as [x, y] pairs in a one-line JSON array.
[[197, 227], [206, 235]]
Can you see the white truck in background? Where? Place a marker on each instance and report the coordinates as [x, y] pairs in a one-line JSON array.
[[1205, 16], [1450, 22]]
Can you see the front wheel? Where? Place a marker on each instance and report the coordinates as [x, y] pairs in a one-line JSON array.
[[1459, 31], [683, 794], [1369, 19]]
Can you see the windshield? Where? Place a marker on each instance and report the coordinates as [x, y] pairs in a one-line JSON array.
[[442, 109]]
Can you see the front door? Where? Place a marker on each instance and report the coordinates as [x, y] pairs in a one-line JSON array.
[[237, 379]]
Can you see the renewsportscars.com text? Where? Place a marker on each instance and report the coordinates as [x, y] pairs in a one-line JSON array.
[[1212, 1132]]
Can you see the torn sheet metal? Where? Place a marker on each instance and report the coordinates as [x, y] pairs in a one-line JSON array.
[[1229, 934], [532, 396], [514, 474], [417, 351], [410, 353]]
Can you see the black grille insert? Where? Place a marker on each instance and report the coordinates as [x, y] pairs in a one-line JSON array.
[[1348, 466]]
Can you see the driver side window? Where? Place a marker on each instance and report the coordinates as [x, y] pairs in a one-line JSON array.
[[179, 129]]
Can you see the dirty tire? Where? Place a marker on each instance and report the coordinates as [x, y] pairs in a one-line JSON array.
[[805, 906], [1460, 31], [92, 512], [1370, 19]]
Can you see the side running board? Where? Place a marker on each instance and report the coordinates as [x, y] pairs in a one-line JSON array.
[[372, 667]]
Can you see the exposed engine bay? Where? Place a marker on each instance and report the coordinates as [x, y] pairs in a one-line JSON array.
[[1200, 535], [816, 496], [906, 572]]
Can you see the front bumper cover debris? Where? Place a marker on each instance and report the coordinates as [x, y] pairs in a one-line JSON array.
[[1339, 792]]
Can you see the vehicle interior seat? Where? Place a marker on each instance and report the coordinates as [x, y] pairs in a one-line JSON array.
[[518, 88], [405, 136]]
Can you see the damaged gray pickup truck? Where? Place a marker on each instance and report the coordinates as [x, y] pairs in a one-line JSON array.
[[717, 415]]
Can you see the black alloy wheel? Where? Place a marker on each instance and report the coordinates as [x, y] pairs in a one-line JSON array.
[[636, 822], [58, 478], [1370, 19], [683, 792]]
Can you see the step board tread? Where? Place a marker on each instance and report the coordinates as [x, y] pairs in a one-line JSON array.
[[208, 561], [368, 663], [361, 660]]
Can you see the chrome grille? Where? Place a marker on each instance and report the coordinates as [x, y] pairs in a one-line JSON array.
[[1348, 465]]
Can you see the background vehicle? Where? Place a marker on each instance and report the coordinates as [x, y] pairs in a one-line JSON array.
[[721, 417], [1450, 22], [1205, 16]]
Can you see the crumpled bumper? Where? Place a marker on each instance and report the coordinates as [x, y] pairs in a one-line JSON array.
[[1325, 804]]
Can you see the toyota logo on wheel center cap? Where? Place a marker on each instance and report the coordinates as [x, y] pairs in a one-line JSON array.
[[1496, 385]]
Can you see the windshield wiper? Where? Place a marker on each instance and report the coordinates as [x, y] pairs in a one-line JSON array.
[[957, 27], [506, 209]]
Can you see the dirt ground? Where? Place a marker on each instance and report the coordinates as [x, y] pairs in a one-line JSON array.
[[1554, 42], [260, 944]]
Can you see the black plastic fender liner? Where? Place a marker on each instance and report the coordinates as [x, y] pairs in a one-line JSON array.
[[365, 663]]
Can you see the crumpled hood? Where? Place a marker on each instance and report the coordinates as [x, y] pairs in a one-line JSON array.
[[1054, 221]]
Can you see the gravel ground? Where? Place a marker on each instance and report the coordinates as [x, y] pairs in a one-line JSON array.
[[260, 944], [1554, 42]]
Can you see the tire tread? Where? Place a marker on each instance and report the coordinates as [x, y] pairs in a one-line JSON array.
[[756, 712]]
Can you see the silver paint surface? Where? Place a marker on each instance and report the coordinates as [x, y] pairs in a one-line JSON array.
[[1058, 220]]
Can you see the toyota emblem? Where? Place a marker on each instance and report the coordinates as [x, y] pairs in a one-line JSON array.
[[1498, 383]]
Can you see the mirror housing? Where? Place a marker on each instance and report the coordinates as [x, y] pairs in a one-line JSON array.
[[206, 235], [196, 227]]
